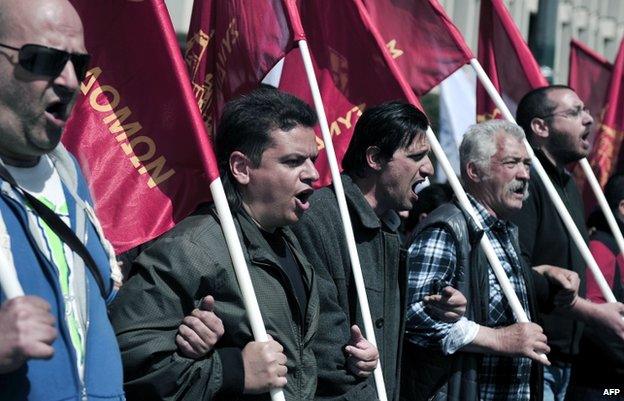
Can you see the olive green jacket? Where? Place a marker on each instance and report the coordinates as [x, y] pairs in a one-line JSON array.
[[172, 276]]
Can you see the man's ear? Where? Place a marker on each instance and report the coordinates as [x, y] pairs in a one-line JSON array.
[[621, 208], [240, 166], [539, 128], [473, 173], [373, 158]]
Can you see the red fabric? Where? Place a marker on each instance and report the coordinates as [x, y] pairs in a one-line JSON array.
[[352, 68], [606, 153], [136, 112], [607, 261], [506, 59], [231, 46], [589, 76], [421, 38]]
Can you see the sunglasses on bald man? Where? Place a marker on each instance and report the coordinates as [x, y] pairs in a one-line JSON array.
[[43, 60]]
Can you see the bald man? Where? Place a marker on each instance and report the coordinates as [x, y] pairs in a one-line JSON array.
[[56, 343]]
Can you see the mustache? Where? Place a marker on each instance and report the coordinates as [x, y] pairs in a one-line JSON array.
[[517, 185]]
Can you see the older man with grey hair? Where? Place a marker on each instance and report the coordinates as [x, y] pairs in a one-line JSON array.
[[485, 355]]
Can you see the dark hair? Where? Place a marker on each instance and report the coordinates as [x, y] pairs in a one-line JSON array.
[[614, 190], [535, 104], [388, 126], [246, 126]]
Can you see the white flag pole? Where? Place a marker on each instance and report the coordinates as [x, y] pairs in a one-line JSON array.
[[344, 213], [242, 273], [552, 192]]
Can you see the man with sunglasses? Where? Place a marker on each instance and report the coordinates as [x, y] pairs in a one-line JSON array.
[[56, 342], [557, 125]]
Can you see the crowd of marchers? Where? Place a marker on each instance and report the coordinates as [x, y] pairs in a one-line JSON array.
[[176, 327]]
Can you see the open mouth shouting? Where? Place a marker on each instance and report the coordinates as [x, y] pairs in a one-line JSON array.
[[57, 112], [519, 188], [302, 199], [585, 139]]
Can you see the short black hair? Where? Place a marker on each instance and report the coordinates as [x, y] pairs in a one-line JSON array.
[[614, 190], [388, 126], [246, 126], [535, 104]]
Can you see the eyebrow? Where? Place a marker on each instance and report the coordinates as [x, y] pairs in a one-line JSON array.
[[298, 155], [420, 153]]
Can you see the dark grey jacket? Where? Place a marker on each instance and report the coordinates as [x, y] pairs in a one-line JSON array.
[[172, 276], [430, 375], [321, 235]]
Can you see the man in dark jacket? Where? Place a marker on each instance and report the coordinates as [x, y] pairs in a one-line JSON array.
[[387, 157], [265, 147], [557, 125]]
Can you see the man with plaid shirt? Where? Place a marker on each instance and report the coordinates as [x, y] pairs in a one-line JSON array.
[[485, 355]]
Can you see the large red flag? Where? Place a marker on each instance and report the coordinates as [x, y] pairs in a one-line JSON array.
[[589, 75], [136, 130], [231, 46], [421, 38], [506, 59], [607, 148], [352, 67]]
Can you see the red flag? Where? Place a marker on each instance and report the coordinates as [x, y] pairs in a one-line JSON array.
[[231, 45], [136, 129], [352, 67], [607, 147], [589, 76], [506, 59], [421, 38]]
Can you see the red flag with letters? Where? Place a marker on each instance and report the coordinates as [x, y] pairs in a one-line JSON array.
[[136, 129], [421, 38], [506, 59], [352, 67], [231, 46], [606, 156]]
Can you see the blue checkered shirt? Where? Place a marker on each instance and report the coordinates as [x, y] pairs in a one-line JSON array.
[[432, 257]]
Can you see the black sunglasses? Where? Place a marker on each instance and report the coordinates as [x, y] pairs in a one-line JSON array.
[[43, 60]]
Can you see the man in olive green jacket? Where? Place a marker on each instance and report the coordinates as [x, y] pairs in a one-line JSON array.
[[265, 147]]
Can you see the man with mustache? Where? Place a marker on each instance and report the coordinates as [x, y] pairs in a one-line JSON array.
[[485, 355], [557, 125], [56, 342]]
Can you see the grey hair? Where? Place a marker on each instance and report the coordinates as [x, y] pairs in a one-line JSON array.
[[479, 143]]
